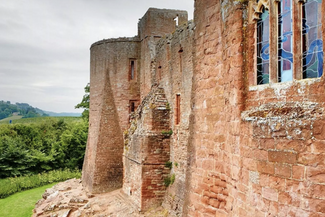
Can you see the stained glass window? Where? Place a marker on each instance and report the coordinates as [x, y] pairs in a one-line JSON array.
[[285, 56], [263, 44], [312, 39]]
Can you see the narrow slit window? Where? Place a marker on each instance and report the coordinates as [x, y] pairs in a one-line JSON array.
[[263, 45], [178, 109], [180, 60], [132, 70], [285, 46], [159, 73], [132, 106], [312, 39]]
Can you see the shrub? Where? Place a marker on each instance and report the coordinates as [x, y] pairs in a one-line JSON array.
[[169, 164], [167, 133], [169, 180], [10, 186]]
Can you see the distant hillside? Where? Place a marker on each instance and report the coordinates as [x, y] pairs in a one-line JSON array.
[[66, 114], [23, 109], [26, 111], [55, 114]]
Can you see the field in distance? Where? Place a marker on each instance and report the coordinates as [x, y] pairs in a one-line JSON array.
[[19, 120], [15, 117]]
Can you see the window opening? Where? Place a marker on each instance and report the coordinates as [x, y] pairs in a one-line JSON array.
[[312, 39], [176, 20], [263, 45], [132, 107], [285, 56], [132, 70], [178, 109], [159, 73], [180, 60]]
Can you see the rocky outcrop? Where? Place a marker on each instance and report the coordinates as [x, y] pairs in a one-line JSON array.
[[69, 199]]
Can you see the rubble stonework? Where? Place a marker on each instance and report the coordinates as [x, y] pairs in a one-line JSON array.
[[224, 146]]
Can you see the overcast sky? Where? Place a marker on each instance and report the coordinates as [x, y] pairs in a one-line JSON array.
[[44, 45]]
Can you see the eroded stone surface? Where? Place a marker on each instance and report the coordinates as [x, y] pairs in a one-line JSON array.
[[70, 199]]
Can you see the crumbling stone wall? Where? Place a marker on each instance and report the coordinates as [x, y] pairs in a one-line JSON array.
[[147, 151], [174, 72], [154, 25]]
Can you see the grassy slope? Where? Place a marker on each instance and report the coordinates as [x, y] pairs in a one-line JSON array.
[[6, 120], [22, 204]]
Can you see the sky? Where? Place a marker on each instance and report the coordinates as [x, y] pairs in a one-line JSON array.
[[44, 45]]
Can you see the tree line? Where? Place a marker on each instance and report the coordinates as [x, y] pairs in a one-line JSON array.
[[27, 149]]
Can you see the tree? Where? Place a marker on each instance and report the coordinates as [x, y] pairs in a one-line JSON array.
[[85, 103]]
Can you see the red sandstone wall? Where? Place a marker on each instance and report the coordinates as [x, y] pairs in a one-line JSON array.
[[174, 72], [146, 151], [110, 93], [257, 150], [155, 24], [241, 150], [215, 177]]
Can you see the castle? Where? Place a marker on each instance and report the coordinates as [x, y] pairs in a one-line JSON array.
[[220, 116]]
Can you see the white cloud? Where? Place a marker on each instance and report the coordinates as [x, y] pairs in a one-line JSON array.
[[44, 45]]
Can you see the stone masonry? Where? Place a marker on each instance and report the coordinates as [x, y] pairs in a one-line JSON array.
[[176, 119]]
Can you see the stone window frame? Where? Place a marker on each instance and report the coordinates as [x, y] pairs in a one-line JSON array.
[[255, 9]]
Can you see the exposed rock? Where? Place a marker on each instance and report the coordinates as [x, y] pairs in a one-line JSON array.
[[69, 199]]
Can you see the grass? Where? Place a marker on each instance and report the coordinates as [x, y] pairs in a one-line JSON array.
[[39, 119], [6, 120], [22, 204]]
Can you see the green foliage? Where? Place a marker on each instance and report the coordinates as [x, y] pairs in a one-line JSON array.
[[176, 164], [85, 103], [169, 180], [22, 204], [167, 106], [167, 132], [172, 179], [10, 186], [169, 164], [32, 148]]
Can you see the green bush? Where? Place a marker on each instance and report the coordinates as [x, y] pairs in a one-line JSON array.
[[10, 186], [32, 148]]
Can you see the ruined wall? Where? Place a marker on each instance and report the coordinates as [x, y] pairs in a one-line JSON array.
[[147, 150], [154, 25], [111, 92], [235, 149], [174, 72]]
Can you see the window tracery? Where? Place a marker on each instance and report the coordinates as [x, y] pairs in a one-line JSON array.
[[281, 53], [312, 39]]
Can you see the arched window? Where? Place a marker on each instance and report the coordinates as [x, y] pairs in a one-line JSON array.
[[285, 46], [312, 39], [263, 48]]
